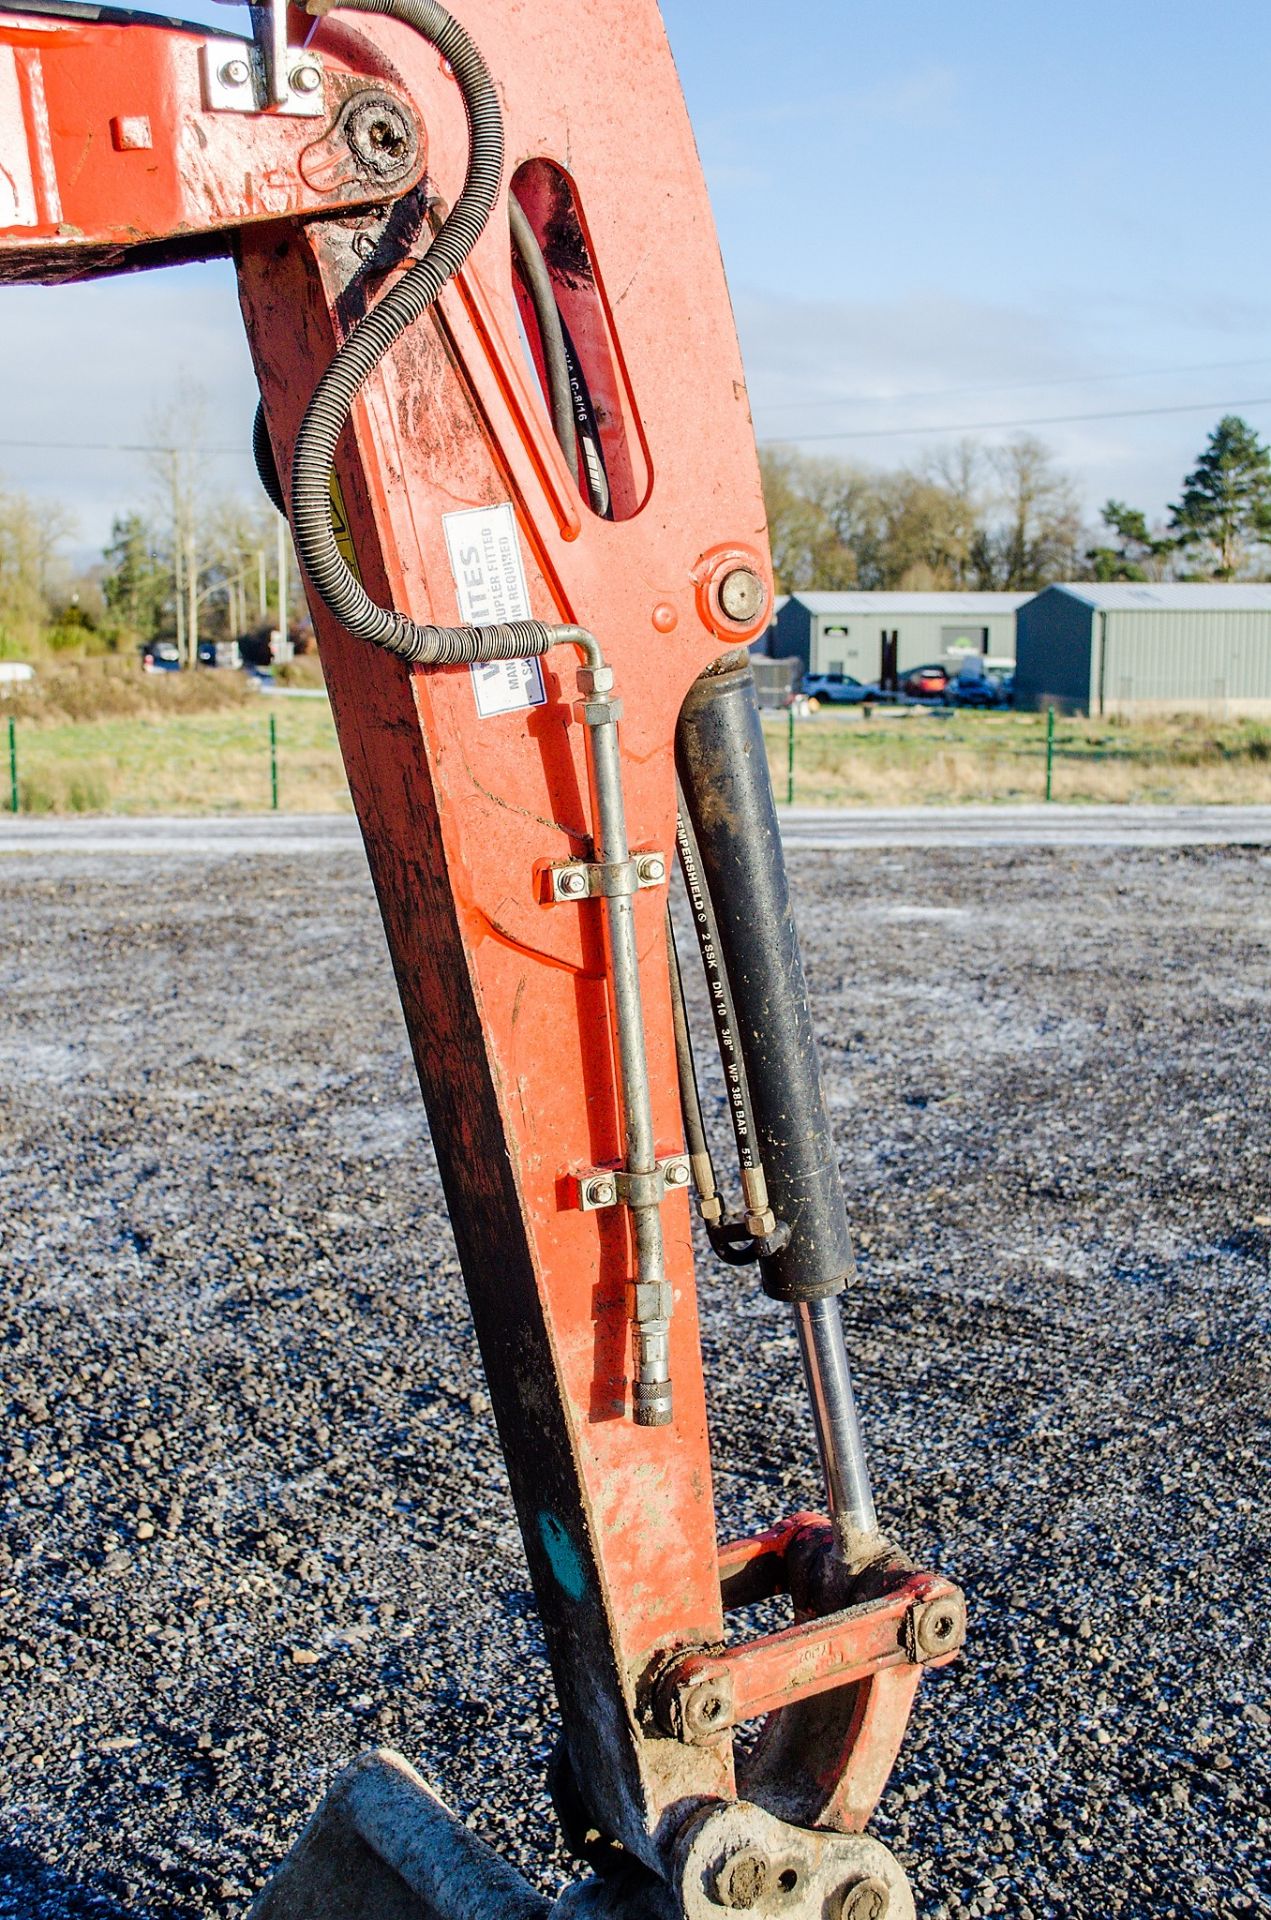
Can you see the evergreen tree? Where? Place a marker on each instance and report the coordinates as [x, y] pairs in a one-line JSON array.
[[1226, 503], [136, 584], [1138, 552]]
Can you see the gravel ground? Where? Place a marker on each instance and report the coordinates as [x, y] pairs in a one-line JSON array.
[[254, 1516]]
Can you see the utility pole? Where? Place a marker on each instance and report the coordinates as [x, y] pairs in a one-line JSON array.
[[177, 581], [283, 535], [192, 594], [180, 599]]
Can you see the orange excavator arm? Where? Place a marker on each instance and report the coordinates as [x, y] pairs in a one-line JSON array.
[[504, 409]]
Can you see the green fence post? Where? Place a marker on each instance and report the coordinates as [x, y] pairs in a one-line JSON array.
[[273, 760], [790, 756], [13, 765], [1050, 747]]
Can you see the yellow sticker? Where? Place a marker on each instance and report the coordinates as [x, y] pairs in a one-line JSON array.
[[340, 528]]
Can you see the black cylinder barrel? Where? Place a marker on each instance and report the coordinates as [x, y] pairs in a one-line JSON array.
[[723, 770]]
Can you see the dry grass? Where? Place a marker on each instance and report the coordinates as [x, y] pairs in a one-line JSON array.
[[184, 762], [920, 757], [115, 688], [100, 737]]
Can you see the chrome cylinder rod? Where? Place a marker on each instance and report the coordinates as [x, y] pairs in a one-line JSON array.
[[838, 1428]]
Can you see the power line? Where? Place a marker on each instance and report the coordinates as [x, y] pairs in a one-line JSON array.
[[988, 426], [118, 446], [1021, 386]]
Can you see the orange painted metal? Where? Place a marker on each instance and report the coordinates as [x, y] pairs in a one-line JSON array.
[[505, 994], [815, 1655], [455, 419], [838, 1688], [105, 143]]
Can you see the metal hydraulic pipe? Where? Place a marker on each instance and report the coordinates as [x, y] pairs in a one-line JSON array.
[[838, 1429], [652, 1306]]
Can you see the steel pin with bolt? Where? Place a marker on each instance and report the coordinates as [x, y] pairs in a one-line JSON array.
[[742, 595], [742, 1880]]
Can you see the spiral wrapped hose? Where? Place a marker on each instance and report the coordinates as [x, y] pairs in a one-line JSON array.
[[405, 302]]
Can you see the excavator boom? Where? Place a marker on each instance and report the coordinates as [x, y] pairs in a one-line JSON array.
[[503, 406]]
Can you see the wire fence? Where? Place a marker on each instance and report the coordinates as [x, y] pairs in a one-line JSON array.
[[216, 762], [248, 761], [1048, 751], [925, 755]]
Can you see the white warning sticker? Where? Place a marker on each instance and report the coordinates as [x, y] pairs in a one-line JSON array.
[[485, 558]]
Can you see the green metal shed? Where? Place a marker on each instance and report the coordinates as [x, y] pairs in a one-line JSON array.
[[874, 636], [1086, 647]]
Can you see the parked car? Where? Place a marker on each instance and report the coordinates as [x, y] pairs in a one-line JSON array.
[[923, 683], [160, 656], [836, 689], [220, 653], [981, 690]]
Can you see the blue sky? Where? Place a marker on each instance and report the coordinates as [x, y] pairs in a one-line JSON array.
[[932, 216]]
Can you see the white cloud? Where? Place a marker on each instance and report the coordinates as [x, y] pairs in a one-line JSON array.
[[871, 367], [93, 364]]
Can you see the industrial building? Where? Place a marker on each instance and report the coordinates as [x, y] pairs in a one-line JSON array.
[[876, 636], [1084, 647]]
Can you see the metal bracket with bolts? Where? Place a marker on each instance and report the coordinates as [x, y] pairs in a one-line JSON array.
[[613, 1187], [235, 81], [577, 880]]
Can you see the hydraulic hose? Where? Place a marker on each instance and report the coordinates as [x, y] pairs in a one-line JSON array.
[[405, 302], [551, 332]]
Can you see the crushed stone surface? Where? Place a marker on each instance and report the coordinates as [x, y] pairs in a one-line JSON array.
[[254, 1516]]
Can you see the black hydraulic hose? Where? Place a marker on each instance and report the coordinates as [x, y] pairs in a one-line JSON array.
[[593, 462], [405, 302], [551, 333], [718, 990], [690, 1099], [573, 416]]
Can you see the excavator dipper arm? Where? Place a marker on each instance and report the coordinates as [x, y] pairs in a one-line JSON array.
[[533, 576]]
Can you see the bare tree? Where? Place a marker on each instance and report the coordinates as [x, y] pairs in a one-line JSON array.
[[805, 500], [1037, 538], [179, 484], [961, 473]]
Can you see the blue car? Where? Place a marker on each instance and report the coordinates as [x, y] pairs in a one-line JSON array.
[[836, 689]]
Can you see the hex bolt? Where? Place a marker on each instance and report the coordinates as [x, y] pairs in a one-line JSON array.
[[865, 1900], [235, 73], [571, 882], [306, 79], [742, 1881], [651, 867], [601, 1193], [595, 680], [742, 595], [676, 1174]]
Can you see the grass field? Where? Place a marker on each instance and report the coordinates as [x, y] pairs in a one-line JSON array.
[[111, 741], [217, 762], [914, 756]]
